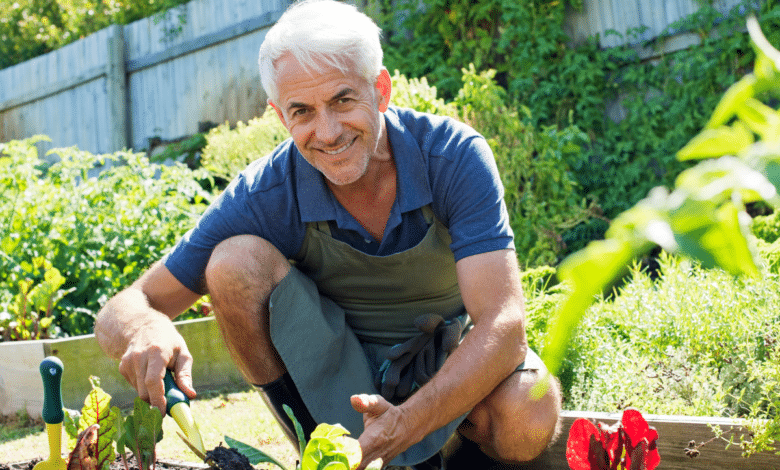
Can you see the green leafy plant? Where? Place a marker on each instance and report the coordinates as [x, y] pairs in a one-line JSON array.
[[330, 448], [29, 28], [27, 313], [97, 410], [66, 235], [229, 150], [636, 112], [704, 216], [141, 431]]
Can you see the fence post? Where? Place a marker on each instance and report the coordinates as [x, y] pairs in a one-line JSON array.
[[116, 89]]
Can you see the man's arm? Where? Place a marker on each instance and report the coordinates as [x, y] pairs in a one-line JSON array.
[[136, 327], [492, 294]]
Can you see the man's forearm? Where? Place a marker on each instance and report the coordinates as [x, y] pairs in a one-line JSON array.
[[120, 319], [488, 354]]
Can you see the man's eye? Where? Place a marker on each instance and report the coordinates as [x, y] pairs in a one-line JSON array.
[[300, 112]]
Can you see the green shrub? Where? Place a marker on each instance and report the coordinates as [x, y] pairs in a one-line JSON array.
[[665, 101], [29, 28], [541, 193], [79, 239], [693, 341], [766, 227], [228, 151]]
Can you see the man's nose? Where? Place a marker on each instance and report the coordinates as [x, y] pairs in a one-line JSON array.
[[327, 127]]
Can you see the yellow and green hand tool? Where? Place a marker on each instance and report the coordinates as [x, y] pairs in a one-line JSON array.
[[51, 372], [178, 407]]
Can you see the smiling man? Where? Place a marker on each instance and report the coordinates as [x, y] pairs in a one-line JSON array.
[[363, 273]]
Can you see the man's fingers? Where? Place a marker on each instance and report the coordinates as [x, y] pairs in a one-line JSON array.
[[182, 372], [370, 405], [155, 371]]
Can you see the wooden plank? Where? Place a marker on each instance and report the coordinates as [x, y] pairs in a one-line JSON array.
[[19, 377], [188, 47], [54, 88], [116, 89]]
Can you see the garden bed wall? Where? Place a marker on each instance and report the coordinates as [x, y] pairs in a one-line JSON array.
[[21, 386], [675, 433]]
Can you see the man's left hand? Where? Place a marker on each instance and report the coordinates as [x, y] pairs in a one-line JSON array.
[[385, 430]]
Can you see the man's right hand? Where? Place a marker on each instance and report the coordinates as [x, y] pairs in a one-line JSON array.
[[152, 350]]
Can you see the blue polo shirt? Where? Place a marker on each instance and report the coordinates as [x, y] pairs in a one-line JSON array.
[[440, 162]]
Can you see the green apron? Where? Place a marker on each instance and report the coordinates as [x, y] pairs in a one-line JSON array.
[[338, 311]]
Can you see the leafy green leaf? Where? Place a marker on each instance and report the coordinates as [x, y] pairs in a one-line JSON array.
[[254, 455], [298, 428], [141, 432], [723, 140], [732, 99], [588, 272], [761, 119], [716, 236]]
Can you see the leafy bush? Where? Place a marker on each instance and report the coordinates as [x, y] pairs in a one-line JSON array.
[[766, 227], [542, 197], [83, 238], [692, 341], [228, 151], [29, 28], [665, 102]]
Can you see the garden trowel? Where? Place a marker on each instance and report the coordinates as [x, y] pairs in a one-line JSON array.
[[179, 408], [51, 373]]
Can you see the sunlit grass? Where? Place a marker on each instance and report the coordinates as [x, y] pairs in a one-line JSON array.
[[239, 414]]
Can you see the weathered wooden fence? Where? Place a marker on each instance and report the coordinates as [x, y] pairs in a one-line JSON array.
[[126, 84], [122, 86]]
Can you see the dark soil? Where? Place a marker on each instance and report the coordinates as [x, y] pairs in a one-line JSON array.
[[225, 458]]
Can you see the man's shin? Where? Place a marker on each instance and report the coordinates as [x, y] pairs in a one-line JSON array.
[[280, 392]]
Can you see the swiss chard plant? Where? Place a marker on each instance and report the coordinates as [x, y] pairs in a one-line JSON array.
[[95, 427], [330, 448], [140, 433]]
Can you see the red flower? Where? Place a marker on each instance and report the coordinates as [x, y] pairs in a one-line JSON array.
[[641, 445], [629, 444]]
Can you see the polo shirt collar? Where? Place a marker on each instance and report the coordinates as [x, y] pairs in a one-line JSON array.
[[316, 202]]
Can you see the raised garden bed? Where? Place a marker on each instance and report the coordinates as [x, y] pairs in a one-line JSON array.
[[20, 380]]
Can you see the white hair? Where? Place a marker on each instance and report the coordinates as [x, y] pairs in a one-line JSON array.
[[322, 34]]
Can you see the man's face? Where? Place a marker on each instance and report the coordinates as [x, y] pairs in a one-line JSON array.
[[334, 119]]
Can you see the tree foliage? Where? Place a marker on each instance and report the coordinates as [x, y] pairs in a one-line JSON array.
[[29, 28]]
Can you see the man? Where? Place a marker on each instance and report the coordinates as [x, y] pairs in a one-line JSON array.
[[351, 261]]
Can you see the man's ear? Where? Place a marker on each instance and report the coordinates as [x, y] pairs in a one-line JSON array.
[[278, 112], [384, 85]]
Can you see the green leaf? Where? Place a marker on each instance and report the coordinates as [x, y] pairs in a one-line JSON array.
[[254, 455], [721, 180], [141, 432], [737, 94], [589, 272], [98, 410], [716, 236], [298, 428], [761, 119], [329, 431], [717, 142]]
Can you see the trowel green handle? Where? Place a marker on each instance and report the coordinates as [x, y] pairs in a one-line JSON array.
[[181, 413], [51, 372], [173, 395]]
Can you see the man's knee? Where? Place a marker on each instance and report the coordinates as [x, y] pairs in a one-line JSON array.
[[538, 424], [245, 260], [512, 425]]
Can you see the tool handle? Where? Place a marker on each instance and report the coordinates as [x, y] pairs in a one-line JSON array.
[[51, 372], [173, 394]]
